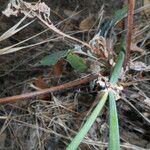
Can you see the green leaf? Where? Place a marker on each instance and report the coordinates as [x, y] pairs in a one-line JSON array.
[[120, 14], [118, 67], [77, 62], [114, 142], [86, 127], [107, 26], [53, 58], [114, 138]]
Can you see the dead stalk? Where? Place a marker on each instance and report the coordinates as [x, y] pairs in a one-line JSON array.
[[53, 28], [49, 90], [131, 4]]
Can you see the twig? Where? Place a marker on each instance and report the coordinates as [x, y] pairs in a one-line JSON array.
[[131, 4], [133, 82], [50, 25], [53, 28], [49, 90]]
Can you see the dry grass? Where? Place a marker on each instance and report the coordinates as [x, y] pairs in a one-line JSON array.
[[50, 123]]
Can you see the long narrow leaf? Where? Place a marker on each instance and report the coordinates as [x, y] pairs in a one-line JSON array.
[[118, 68], [120, 14], [109, 24], [114, 139], [81, 134], [114, 143]]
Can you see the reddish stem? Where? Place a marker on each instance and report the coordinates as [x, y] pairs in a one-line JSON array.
[[131, 4], [49, 90]]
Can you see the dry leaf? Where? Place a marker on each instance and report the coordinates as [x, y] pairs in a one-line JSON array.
[[39, 84], [95, 67], [102, 48], [147, 7], [139, 66], [58, 69], [86, 24]]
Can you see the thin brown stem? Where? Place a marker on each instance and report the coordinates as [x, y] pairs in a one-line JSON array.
[[131, 4], [49, 90]]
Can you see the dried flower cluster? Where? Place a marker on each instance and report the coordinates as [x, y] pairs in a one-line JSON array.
[[19, 6]]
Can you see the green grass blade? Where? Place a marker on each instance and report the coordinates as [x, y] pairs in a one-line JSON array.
[[114, 138], [120, 14], [114, 143], [109, 24], [118, 68], [81, 134]]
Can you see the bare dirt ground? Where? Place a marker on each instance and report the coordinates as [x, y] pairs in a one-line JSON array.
[[48, 122]]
